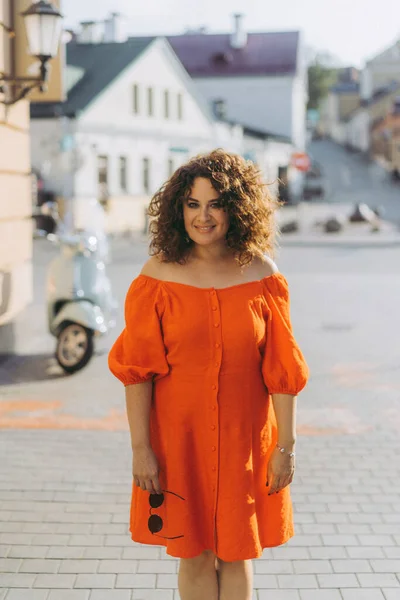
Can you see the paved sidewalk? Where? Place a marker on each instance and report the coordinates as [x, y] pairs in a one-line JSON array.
[[65, 459]]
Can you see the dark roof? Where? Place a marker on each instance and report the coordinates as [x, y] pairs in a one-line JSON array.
[[101, 63], [211, 55], [265, 135]]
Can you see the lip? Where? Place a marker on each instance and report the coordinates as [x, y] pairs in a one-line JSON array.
[[205, 229]]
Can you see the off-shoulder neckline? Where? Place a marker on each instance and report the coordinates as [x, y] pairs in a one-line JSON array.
[[208, 289]]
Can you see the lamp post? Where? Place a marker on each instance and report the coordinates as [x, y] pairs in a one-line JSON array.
[[43, 30]]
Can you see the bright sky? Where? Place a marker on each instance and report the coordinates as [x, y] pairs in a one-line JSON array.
[[352, 30]]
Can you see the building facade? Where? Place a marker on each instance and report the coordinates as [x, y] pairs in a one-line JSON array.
[[125, 129], [15, 174], [261, 78]]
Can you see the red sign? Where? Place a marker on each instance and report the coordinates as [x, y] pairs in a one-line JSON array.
[[301, 161]]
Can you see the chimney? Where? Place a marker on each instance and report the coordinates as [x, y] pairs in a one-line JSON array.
[[114, 28], [90, 32], [239, 36]]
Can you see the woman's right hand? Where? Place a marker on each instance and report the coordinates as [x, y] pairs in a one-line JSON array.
[[145, 469]]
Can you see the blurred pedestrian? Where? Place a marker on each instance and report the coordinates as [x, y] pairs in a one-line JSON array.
[[212, 370]]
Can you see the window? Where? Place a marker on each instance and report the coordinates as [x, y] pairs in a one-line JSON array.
[[146, 175], [170, 167], [150, 103], [136, 98], [102, 176], [123, 173], [166, 104], [180, 107]]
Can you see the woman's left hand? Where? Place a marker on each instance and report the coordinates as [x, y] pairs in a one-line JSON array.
[[280, 472]]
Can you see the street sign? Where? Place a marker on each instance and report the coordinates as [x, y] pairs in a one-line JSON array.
[[301, 161]]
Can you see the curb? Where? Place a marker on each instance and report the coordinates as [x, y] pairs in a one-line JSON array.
[[335, 240]]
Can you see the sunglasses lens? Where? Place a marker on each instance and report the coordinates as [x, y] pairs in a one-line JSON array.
[[155, 523], [156, 500]]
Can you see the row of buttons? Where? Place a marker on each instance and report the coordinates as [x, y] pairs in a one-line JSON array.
[[217, 364]]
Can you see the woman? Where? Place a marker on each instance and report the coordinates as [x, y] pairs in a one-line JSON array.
[[211, 370]]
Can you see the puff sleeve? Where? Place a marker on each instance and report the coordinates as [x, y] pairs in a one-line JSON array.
[[139, 353], [284, 368]]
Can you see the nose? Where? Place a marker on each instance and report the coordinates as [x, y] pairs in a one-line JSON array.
[[204, 213]]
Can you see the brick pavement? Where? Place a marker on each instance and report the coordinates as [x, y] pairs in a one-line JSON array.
[[64, 487]]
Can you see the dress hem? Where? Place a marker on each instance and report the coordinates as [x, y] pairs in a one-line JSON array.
[[252, 557]]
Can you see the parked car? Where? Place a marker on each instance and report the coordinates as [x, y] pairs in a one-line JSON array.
[[314, 182]]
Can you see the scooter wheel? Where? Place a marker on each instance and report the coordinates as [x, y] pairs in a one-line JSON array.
[[74, 347]]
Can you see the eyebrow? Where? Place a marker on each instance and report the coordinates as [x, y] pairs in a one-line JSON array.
[[213, 200]]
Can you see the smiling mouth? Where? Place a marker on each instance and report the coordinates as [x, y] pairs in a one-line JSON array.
[[205, 229]]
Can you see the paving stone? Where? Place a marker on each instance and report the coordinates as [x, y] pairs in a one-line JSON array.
[[365, 552], [39, 565], [120, 566], [86, 540], [151, 594], [167, 580], [110, 595], [327, 552], [21, 594], [144, 580], [377, 580], [312, 566], [351, 594], [65, 552], [144, 552], [94, 581], [16, 580], [297, 581], [320, 594], [390, 593], [289, 552], [385, 566], [351, 566], [54, 581], [69, 595], [274, 566], [278, 595], [50, 540], [9, 565], [78, 566], [110, 553], [338, 580], [157, 566]]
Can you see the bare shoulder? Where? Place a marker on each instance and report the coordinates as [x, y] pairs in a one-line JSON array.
[[266, 267], [153, 267]]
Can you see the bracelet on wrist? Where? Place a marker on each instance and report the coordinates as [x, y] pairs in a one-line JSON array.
[[285, 450]]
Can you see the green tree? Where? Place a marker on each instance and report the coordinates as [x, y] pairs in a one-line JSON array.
[[320, 79]]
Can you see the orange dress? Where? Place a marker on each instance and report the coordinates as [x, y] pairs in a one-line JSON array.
[[215, 357]]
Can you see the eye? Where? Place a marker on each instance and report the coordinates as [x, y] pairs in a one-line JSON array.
[[192, 204]]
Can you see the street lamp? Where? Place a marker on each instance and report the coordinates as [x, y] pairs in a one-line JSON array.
[[43, 30]]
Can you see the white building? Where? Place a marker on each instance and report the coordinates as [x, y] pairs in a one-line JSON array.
[[132, 116], [380, 71], [260, 77]]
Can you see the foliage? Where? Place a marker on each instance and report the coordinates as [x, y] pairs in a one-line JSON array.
[[320, 79]]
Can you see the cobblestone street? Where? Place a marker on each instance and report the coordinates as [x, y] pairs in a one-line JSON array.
[[65, 468]]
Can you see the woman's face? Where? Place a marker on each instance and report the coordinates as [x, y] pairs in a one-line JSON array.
[[206, 222]]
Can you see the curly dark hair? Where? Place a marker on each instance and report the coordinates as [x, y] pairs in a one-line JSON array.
[[250, 206]]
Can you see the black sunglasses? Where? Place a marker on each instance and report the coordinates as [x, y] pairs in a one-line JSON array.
[[155, 522]]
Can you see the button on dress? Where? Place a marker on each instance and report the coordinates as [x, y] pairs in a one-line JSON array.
[[215, 356]]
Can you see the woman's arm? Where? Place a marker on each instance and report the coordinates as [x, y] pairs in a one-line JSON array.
[[145, 466], [281, 466], [285, 412]]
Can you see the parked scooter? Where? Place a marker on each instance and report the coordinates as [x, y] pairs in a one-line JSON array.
[[80, 304]]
